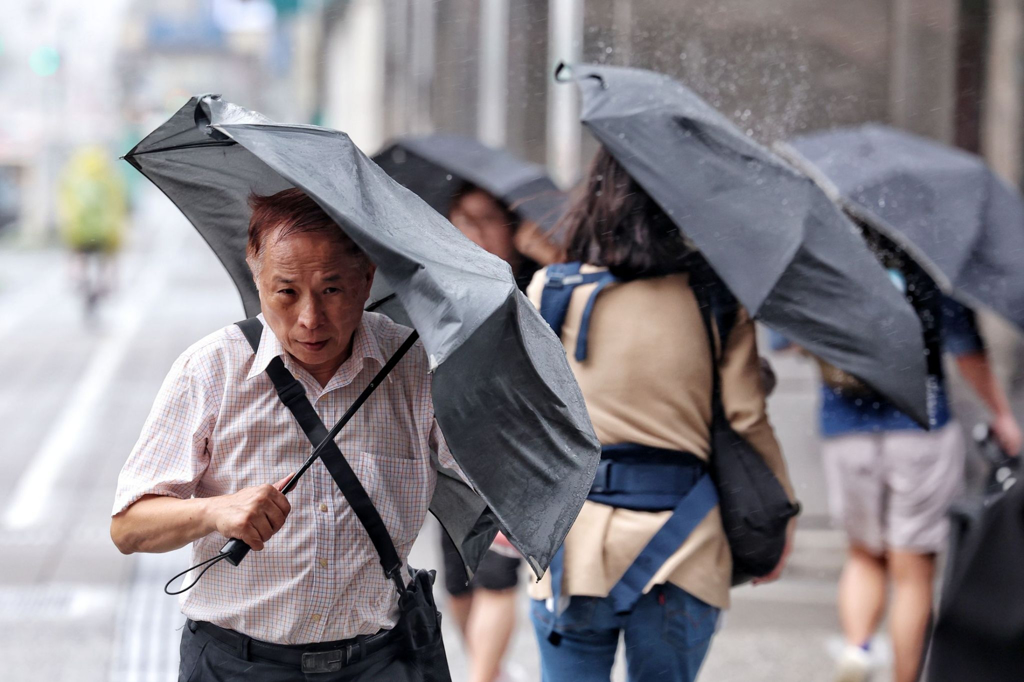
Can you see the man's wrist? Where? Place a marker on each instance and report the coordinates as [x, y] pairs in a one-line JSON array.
[[206, 515]]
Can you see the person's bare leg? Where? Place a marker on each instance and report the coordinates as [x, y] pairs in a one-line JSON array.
[[488, 632], [861, 595], [461, 606], [912, 576]]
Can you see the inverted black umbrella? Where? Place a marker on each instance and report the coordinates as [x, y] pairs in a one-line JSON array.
[[944, 205], [979, 631], [436, 167], [504, 396], [776, 240]]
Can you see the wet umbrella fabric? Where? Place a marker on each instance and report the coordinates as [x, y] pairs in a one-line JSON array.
[[979, 633], [436, 167], [776, 240], [945, 205], [506, 400]]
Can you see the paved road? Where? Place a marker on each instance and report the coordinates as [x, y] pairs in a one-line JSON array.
[[72, 403]]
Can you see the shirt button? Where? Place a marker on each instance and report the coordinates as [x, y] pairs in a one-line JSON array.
[[323, 507], [323, 563], [316, 617]]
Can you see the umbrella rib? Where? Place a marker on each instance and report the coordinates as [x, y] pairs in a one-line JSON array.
[[194, 145]]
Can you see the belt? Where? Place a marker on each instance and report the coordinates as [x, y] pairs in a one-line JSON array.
[[321, 657]]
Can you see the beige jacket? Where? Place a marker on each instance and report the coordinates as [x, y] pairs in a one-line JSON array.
[[647, 379]]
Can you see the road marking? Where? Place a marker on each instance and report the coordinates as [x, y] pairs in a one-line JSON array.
[[64, 441], [148, 629]]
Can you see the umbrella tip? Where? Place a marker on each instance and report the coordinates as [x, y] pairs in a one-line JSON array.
[[563, 72]]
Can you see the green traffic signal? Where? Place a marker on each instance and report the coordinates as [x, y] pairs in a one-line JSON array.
[[44, 61]]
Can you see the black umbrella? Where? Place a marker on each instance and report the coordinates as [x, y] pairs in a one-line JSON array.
[[436, 167], [504, 395], [979, 632], [943, 205], [776, 240]]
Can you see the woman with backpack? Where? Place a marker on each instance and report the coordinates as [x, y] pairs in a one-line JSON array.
[[648, 556]]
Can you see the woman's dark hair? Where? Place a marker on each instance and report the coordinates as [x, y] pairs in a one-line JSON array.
[[612, 222]]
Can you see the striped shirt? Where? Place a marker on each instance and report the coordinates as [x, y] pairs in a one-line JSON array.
[[218, 426]]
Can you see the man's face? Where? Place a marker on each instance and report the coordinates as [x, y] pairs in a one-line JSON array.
[[482, 219], [312, 292]]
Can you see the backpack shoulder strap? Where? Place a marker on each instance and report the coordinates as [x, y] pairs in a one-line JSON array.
[[562, 279]]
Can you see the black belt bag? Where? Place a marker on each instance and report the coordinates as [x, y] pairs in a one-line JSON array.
[[419, 624]]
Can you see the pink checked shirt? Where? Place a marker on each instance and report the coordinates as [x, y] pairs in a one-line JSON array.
[[218, 426]]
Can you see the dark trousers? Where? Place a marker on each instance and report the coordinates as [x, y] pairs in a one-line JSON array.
[[209, 658]]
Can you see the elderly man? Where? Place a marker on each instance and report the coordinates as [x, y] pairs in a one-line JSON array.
[[218, 433]]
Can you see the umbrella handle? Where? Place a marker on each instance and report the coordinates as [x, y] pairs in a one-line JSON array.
[[234, 551]]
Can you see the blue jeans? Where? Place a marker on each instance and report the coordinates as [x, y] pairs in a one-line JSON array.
[[667, 635]]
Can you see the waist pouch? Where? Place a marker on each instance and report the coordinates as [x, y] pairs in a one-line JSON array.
[[419, 622], [643, 478]]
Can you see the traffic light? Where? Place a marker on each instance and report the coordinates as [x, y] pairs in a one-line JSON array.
[[44, 60]]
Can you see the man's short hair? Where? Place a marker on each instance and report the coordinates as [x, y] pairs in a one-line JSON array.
[[288, 212]]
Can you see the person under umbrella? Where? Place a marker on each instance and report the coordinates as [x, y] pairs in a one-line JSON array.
[[938, 215], [509, 208], [891, 483], [650, 395], [317, 221], [484, 607], [685, 230], [464, 179]]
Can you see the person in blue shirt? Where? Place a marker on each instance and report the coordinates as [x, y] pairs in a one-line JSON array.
[[890, 482]]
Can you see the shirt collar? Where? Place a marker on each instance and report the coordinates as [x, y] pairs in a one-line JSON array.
[[364, 346]]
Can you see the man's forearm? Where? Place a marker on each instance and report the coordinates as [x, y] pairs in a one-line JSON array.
[[977, 371], [157, 523]]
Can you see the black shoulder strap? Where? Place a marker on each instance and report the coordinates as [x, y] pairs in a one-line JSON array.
[[716, 303], [293, 395]]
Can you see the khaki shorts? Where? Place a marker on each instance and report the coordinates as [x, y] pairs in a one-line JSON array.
[[891, 490]]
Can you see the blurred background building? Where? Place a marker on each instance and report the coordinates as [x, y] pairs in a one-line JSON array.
[[949, 69]]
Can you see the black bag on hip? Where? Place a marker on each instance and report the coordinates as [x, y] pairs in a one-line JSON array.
[[753, 504]]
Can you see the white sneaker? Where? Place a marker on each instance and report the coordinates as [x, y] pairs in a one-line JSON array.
[[854, 665]]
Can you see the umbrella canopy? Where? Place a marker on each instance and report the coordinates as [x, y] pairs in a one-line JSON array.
[[781, 246], [979, 632], [945, 206], [504, 396], [436, 167]]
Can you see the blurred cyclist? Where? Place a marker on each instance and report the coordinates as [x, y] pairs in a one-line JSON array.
[[91, 209]]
